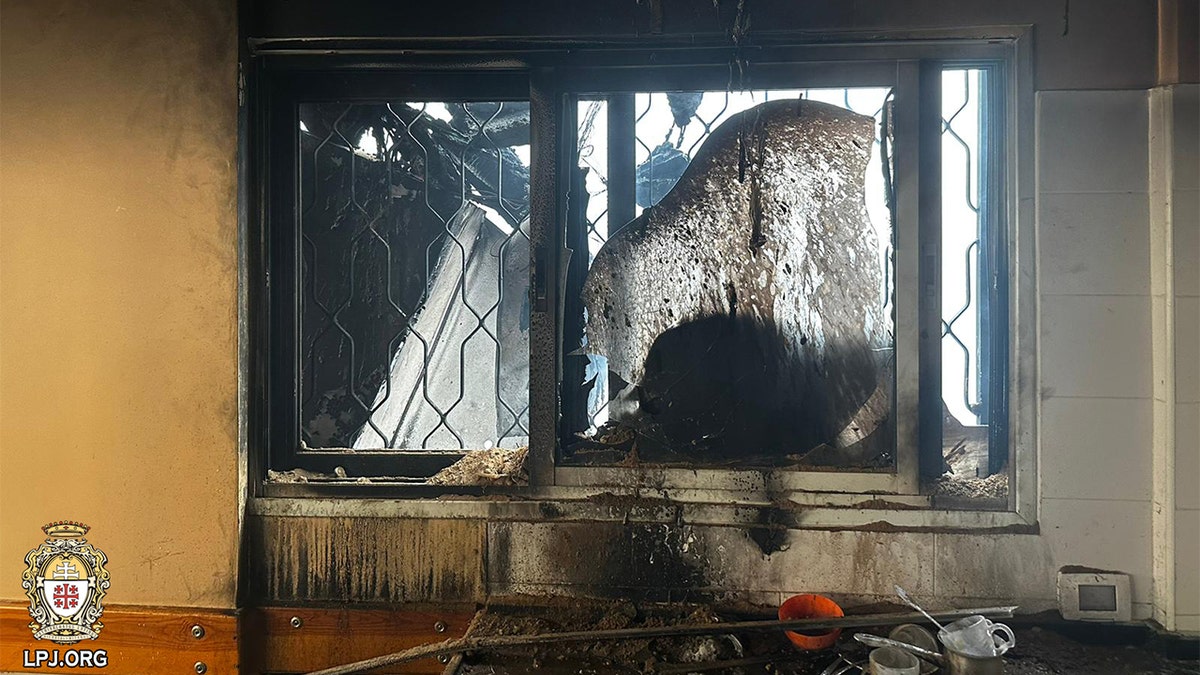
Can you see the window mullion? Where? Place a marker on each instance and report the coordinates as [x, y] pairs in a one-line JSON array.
[[282, 280], [930, 233], [545, 214], [998, 290], [908, 182], [622, 141]]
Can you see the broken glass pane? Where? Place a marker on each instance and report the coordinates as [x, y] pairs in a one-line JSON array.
[[745, 316]]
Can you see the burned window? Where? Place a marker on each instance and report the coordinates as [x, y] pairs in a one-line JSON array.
[[396, 274], [800, 268], [739, 306], [415, 274], [744, 315]]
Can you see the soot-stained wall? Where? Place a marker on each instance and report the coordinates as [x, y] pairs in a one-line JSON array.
[[1094, 63]]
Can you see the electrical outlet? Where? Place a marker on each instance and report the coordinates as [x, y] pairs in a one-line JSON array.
[[1094, 596]]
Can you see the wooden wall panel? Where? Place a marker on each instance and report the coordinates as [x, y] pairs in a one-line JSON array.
[[137, 641], [331, 637], [262, 641]]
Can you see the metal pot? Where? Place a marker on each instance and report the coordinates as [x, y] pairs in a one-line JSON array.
[[958, 663]]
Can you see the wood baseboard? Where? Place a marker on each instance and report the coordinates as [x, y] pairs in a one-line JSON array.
[[259, 641], [135, 641], [331, 637]]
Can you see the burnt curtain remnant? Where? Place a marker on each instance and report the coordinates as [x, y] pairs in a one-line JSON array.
[[744, 308]]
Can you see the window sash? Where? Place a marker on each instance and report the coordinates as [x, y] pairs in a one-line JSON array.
[[278, 339], [902, 76]]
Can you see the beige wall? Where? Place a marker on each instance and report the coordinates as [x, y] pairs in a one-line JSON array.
[[118, 274]]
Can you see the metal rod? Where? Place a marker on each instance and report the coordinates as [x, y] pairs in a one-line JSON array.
[[455, 662], [911, 603], [449, 647]]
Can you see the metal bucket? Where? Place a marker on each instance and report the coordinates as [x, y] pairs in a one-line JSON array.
[[958, 663]]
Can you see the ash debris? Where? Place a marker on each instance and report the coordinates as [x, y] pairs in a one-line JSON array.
[[991, 487], [494, 466], [616, 656]]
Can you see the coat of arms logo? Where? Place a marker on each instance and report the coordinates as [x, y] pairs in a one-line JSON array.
[[65, 581]]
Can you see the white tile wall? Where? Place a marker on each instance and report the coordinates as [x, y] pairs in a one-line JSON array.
[[1187, 349], [1101, 533], [1187, 457], [1096, 415], [855, 563], [1096, 448], [1187, 623], [1092, 141], [1187, 137], [1095, 345], [1187, 562], [994, 567], [1094, 244], [1185, 200], [1185, 206]]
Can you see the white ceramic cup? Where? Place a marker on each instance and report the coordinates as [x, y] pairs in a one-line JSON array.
[[894, 661], [978, 636]]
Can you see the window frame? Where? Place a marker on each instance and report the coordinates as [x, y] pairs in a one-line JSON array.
[[778, 71], [278, 337], [549, 75]]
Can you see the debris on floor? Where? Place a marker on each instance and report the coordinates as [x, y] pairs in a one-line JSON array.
[[1040, 651], [620, 655], [1046, 651], [579, 636]]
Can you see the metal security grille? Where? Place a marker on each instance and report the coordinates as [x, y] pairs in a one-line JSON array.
[[668, 129], [414, 274]]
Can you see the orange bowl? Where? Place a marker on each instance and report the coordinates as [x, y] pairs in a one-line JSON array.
[[809, 606]]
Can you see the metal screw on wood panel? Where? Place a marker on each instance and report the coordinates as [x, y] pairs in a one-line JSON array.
[[297, 622], [197, 631], [201, 668], [439, 627]]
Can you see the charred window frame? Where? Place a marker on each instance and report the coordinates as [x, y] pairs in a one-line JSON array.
[[552, 84], [284, 251], [920, 127]]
